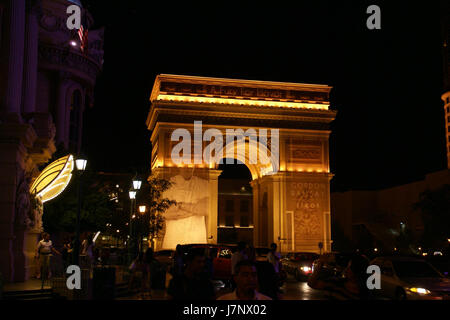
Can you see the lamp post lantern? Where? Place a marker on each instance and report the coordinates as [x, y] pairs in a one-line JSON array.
[[80, 164]]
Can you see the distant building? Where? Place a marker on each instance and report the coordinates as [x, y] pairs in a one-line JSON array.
[[46, 83], [381, 214], [235, 209]]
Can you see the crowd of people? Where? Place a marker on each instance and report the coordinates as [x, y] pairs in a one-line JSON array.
[[192, 272], [45, 251]]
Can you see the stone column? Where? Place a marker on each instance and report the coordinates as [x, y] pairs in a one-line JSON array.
[[15, 138], [213, 205], [30, 63], [15, 56], [256, 212]]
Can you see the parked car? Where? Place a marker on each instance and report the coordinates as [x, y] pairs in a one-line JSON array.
[[411, 278], [221, 258], [165, 257], [333, 263], [299, 264], [261, 253]]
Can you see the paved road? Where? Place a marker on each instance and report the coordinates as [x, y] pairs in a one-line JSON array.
[[292, 290]]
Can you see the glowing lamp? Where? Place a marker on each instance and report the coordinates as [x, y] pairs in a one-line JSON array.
[[142, 209], [80, 164], [137, 184], [132, 194]]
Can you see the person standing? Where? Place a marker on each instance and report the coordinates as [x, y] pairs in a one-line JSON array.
[[178, 261], [67, 253], [274, 257], [238, 256], [192, 284], [44, 251], [246, 279]]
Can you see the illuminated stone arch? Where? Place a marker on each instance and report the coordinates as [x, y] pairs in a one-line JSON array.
[[291, 196]]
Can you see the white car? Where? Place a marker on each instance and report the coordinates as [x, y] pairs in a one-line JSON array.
[[410, 278]]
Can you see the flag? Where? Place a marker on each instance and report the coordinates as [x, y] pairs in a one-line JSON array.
[[83, 35]]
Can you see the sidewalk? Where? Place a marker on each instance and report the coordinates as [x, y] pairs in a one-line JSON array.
[[29, 285]]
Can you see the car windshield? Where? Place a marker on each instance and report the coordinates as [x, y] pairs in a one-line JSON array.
[[305, 256], [414, 269]]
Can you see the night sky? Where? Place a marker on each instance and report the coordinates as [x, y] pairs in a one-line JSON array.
[[387, 83]]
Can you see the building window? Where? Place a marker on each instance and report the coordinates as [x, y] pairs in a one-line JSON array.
[[244, 220], [244, 206], [229, 221], [229, 206]]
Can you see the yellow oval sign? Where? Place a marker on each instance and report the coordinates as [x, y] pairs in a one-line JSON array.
[[53, 179]]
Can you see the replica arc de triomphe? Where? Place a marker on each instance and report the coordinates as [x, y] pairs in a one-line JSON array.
[[291, 186]]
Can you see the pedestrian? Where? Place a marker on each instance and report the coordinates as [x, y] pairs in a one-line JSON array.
[[156, 275], [192, 284], [38, 261], [251, 253], [67, 253], [238, 256], [210, 254], [178, 261], [246, 279], [274, 257], [44, 251], [139, 270], [267, 279]]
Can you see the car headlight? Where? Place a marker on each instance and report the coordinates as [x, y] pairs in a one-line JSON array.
[[305, 269], [419, 290]]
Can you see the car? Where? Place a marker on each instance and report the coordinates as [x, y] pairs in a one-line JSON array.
[[261, 253], [221, 254], [409, 278], [333, 263], [164, 257], [299, 264]]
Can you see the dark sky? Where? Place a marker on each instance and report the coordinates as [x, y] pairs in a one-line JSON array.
[[387, 83]]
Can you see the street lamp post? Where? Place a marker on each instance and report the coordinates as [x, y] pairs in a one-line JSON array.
[[81, 166], [132, 193], [142, 210]]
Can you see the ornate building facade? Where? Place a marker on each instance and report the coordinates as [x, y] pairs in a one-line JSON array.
[[291, 192], [46, 82]]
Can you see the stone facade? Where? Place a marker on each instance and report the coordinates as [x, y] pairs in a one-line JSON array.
[[291, 202], [45, 84]]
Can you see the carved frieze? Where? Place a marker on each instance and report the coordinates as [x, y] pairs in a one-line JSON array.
[[242, 92], [300, 151], [307, 212]]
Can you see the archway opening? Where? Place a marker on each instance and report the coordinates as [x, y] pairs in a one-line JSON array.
[[235, 203]]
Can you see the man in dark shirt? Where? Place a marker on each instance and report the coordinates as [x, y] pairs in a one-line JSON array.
[[192, 284]]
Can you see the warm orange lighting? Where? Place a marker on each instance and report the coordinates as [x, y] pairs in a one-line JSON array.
[[142, 209], [261, 103]]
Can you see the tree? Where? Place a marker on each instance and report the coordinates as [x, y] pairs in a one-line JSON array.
[[96, 207], [152, 195], [434, 206]]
